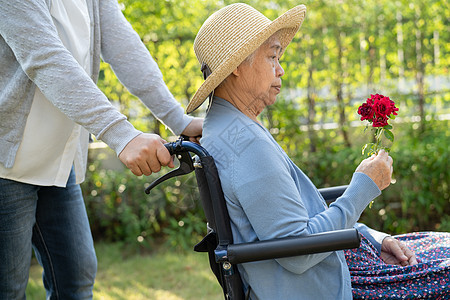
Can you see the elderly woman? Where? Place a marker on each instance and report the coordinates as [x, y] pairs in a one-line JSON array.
[[267, 195]]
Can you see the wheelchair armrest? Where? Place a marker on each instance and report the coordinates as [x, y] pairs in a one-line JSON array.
[[330, 194], [290, 246]]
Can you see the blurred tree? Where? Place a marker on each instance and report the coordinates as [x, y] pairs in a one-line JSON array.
[[343, 46], [345, 51]]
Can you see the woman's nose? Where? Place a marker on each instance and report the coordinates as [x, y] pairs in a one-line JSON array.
[[279, 70]]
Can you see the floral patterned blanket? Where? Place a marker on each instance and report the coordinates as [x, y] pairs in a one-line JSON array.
[[429, 279]]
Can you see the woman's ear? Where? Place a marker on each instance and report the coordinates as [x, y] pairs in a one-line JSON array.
[[236, 72]]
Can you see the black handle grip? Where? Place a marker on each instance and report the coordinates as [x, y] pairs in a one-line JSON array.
[[170, 147], [184, 146], [182, 150]]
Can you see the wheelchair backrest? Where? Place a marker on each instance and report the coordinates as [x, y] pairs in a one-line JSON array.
[[219, 235], [218, 243]]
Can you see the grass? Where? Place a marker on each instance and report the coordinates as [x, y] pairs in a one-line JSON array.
[[161, 275]]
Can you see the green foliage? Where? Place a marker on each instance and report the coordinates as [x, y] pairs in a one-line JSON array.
[[344, 49], [119, 210], [188, 231], [419, 200], [420, 197], [342, 45]]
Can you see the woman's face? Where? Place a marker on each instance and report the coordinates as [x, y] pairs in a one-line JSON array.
[[260, 77]]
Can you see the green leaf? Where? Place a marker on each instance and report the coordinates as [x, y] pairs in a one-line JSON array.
[[370, 145], [389, 135], [387, 127], [392, 117], [363, 149]]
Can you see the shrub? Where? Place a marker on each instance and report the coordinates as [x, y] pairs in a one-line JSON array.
[[119, 210]]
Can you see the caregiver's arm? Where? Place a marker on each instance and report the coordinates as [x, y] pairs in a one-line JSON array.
[[28, 29], [131, 61]]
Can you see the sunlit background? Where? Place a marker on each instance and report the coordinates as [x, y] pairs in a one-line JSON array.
[[345, 51]]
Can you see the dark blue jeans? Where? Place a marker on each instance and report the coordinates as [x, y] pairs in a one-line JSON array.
[[53, 222]]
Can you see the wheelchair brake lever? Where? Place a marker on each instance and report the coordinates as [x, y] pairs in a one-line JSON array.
[[186, 166]]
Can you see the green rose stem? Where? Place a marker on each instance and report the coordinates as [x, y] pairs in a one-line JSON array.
[[377, 110]]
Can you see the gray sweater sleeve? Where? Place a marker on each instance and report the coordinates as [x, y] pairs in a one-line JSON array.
[[132, 63], [28, 29]]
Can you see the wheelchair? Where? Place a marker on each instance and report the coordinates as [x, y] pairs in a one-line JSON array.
[[218, 243]]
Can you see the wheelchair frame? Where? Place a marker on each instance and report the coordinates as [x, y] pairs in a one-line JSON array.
[[223, 254]]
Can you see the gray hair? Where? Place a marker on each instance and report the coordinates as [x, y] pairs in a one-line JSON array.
[[249, 59]]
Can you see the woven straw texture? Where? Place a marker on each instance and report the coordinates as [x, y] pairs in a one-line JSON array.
[[231, 34]]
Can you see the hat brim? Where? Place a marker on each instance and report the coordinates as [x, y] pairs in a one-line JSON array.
[[288, 24]]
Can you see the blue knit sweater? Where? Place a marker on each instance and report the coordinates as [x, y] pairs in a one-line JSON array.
[[268, 197]]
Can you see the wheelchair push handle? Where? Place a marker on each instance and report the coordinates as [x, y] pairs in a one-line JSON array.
[[180, 149]]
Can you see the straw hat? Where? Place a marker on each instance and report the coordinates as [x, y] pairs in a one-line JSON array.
[[231, 34]]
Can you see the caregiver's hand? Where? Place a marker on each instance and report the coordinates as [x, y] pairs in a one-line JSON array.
[[145, 154]]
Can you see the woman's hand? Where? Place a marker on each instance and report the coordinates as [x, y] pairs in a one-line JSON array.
[[378, 168], [395, 252]]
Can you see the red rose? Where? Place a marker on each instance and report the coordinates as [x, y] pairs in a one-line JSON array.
[[383, 106], [370, 100], [380, 121], [393, 108], [378, 110], [366, 111], [376, 96]]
